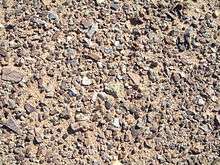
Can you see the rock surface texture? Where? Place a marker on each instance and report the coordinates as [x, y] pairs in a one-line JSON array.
[[113, 82]]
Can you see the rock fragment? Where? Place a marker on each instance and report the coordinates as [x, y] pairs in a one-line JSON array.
[[29, 108], [99, 1], [94, 56], [9, 74], [12, 125], [135, 78], [53, 16], [86, 81], [116, 122], [81, 117], [92, 30], [115, 89]]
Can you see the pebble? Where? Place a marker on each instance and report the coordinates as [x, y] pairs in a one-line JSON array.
[[95, 56], [92, 30], [200, 101], [86, 81], [12, 125], [216, 13], [81, 117], [72, 92], [216, 162], [74, 127], [135, 78], [116, 122], [9, 74], [115, 89], [29, 108], [100, 1], [53, 16]]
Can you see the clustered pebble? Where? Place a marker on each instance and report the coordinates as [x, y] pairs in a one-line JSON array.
[[110, 82]]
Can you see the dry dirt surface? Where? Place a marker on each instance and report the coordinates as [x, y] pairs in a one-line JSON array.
[[110, 82]]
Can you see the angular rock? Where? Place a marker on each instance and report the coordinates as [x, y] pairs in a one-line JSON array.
[[86, 81], [12, 125], [92, 30], [94, 56], [29, 108], [100, 1], [81, 117], [9, 74], [116, 123], [115, 89], [135, 78]]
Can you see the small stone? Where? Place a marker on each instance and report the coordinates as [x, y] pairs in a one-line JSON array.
[[12, 125], [135, 78], [216, 13], [116, 123], [9, 74], [74, 127], [94, 56], [115, 89], [3, 53], [100, 1], [152, 76], [81, 117], [86, 81], [200, 101], [92, 30], [29, 108], [108, 104], [38, 135], [87, 23], [72, 92], [53, 16]]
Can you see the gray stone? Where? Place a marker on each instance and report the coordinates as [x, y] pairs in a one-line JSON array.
[[116, 123], [12, 125], [92, 30], [53, 16], [86, 81], [9, 74]]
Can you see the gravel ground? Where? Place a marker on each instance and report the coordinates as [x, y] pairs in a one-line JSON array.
[[110, 82]]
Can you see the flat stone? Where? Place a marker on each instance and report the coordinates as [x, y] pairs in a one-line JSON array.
[[115, 89], [100, 1], [94, 56], [74, 127], [53, 16], [92, 30], [116, 123], [29, 108], [87, 23], [135, 78], [81, 117], [86, 81], [200, 101], [9, 74], [12, 125]]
